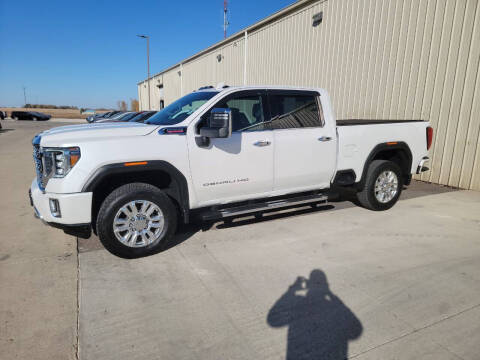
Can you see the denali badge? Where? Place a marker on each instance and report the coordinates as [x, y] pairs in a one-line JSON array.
[[234, 181]]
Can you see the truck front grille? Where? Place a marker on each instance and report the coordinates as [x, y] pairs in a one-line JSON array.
[[38, 161]]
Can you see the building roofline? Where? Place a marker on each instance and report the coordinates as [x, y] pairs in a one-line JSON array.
[[259, 24]]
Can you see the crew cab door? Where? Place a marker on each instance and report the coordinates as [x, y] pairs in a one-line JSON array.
[[305, 147], [239, 167]]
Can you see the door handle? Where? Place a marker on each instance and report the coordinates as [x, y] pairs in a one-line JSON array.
[[324, 138], [262, 143]]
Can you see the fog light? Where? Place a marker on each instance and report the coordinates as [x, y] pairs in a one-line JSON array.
[[55, 208]]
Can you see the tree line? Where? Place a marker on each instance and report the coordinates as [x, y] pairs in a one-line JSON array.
[[46, 106], [122, 105]]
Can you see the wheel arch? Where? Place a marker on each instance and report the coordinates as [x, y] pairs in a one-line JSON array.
[[158, 173], [398, 152]]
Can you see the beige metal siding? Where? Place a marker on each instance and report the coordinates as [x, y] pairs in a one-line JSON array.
[[392, 59], [207, 70]]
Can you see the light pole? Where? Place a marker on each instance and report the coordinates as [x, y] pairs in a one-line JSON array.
[[24, 96], [148, 66]]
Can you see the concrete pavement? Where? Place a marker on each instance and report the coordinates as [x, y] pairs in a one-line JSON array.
[[401, 284], [38, 264]]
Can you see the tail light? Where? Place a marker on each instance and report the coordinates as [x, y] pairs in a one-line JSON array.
[[429, 137]]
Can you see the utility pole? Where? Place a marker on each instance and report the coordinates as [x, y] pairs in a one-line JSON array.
[[225, 21], [148, 67], [24, 96]]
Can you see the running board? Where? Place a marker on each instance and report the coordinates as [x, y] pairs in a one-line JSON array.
[[262, 206]]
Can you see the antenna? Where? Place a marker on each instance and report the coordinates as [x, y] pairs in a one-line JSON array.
[[225, 21]]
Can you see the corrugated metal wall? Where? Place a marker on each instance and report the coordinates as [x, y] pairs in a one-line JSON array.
[[208, 69], [411, 59]]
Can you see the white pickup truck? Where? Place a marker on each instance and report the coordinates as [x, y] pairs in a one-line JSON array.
[[217, 153]]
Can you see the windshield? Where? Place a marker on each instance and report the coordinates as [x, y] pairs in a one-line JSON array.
[[127, 117], [118, 115], [142, 117], [179, 110]]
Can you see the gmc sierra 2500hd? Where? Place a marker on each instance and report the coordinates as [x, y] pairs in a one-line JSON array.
[[218, 153]]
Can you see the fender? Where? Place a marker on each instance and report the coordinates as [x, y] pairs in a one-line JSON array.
[[388, 146], [179, 190]]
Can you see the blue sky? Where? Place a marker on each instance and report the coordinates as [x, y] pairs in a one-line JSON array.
[[85, 53]]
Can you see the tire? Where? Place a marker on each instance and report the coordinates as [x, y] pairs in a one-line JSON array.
[[15, 118], [34, 118], [368, 197], [122, 198]]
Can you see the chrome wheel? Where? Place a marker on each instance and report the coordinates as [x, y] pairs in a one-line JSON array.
[[138, 223], [386, 186]]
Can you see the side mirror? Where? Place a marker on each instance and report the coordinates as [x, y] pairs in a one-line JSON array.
[[219, 124]]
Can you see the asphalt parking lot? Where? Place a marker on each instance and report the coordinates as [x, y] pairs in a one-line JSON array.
[[332, 282]]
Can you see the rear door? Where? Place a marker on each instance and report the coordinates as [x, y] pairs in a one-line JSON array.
[[305, 149]]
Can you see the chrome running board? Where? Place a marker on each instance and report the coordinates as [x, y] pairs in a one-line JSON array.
[[263, 206]]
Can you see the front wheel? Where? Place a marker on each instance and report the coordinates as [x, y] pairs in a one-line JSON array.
[[383, 185], [136, 220]]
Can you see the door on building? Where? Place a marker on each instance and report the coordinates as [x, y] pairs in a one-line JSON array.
[[225, 170], [305, 149]]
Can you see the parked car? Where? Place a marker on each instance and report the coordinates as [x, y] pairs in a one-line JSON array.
[[3, 114], [143, 116], [214, 154], [114, 116], [123, 117], [29, 115], [106, 115]]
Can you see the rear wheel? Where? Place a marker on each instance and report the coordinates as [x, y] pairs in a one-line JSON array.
[[34, 118], [383, 185], [15, 118], [136, 220]]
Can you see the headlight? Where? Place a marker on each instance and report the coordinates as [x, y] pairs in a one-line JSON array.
[[59, 161]]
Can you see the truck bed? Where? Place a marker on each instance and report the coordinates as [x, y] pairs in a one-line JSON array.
[[352, 122], [355, 143]]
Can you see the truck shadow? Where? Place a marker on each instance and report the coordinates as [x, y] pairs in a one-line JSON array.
[[185, 232], [347, 200], [5, 130]]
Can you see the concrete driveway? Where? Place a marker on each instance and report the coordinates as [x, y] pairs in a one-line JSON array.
[[327, 283]]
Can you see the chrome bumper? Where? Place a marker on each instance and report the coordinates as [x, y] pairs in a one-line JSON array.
[[421, 166]]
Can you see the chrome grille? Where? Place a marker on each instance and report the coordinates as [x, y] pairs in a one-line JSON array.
[[37, 159]]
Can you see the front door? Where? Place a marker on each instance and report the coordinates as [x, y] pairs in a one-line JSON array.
[[238, 167]]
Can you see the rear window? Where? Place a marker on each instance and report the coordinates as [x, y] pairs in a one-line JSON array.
[[291, 111]]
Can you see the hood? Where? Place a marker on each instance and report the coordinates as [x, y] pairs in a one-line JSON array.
[[72, 135]]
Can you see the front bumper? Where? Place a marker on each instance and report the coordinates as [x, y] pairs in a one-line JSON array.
[[76, 209]]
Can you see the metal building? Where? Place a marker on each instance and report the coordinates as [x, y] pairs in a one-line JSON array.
[[389, 59]]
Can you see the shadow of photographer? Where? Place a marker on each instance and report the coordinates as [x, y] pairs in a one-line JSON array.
[[319, 324]]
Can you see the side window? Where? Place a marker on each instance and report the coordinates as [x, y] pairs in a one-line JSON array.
[[294, 111], [247, 112]]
